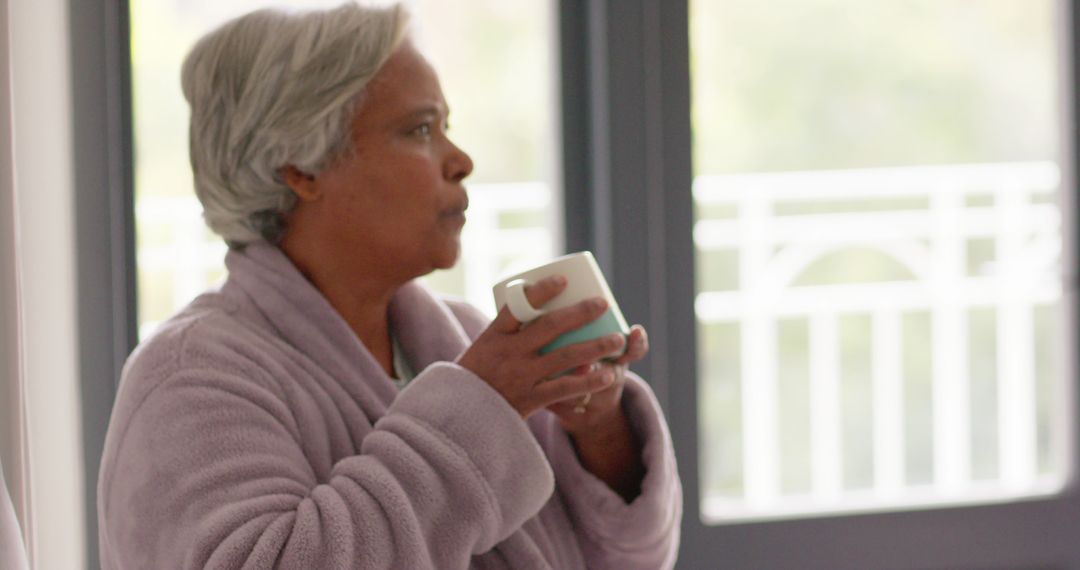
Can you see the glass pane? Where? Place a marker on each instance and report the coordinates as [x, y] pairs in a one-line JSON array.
[[879, 246], [494, 58]]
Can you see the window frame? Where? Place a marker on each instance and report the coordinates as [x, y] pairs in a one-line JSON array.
[[626, 154], [627, 164], [103, 166]]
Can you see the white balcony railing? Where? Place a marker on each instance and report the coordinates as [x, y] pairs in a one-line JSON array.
[[180, 255], [925, 220]]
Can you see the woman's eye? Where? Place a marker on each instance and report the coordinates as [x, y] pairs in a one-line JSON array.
[[423, 130]]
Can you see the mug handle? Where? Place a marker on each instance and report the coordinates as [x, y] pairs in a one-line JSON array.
[[519, 305]]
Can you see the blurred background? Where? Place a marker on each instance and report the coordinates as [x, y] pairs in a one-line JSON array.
[[878, 330], [878, 236]]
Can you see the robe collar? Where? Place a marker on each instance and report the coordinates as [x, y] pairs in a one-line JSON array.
[[426, 329]]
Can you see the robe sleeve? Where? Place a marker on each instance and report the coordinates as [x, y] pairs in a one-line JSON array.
[[612, 534], [210, 470]]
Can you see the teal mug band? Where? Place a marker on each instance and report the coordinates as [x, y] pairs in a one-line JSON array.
[[607, 324]]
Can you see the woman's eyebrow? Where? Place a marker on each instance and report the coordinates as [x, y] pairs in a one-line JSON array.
[[427, 110]]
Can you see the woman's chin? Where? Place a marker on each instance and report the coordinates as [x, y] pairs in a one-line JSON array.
[[449, 259], [445, 257]]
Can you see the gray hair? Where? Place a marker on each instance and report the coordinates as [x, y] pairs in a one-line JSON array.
[[271, 89]]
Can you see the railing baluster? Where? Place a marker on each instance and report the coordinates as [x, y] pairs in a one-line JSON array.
[[825, 412], [481, 252], [761, 448], [1016, 367], [889, 452], [951, 397]]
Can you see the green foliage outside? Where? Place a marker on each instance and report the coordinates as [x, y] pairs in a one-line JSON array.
[[832, 84]]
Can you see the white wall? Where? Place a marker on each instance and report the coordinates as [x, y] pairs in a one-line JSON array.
[[44, 198]]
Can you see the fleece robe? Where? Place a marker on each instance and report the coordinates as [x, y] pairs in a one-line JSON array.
[[254, 430]]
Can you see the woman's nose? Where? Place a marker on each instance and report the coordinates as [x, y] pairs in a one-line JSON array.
[[458, 165]]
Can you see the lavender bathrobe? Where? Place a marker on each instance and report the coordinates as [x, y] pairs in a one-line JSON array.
[[254, 430]]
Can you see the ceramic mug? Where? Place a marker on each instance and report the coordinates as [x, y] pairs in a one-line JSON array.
[[583, 281]]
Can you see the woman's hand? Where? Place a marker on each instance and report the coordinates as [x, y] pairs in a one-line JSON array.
[[601, 432], [507, 355], [579, 416]]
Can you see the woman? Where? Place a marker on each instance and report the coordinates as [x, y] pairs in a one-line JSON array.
[[323, 410]]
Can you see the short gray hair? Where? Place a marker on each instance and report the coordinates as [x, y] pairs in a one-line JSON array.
[[271, 89]]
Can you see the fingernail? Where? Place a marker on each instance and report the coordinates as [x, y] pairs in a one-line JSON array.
[[599, 303], [558, 280]]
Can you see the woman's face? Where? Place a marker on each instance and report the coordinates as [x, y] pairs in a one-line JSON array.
[[397, 199]]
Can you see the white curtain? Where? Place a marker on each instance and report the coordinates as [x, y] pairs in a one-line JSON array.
[[13, 492], [12, 553], [40, 433]]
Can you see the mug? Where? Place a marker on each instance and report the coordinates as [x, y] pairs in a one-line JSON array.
[[583, 281]]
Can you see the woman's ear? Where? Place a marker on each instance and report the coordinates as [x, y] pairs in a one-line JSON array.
[[301, 183]]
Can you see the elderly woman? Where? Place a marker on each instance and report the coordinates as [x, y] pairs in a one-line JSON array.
[[322, 410]]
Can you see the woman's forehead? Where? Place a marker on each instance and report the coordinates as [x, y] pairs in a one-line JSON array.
[[406, 83]]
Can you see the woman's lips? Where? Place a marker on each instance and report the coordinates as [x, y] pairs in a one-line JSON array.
[[456, 215], [457, 211]]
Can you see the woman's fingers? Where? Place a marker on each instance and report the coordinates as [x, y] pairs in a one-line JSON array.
[[637, 345], [538, 294], [547, 328], [544, 290], [579, 354], [506, 355], [571, 386]]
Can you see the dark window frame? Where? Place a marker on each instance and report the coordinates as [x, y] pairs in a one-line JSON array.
[[104, 223]]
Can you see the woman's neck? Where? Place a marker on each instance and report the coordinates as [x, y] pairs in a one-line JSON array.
[[359, 294]]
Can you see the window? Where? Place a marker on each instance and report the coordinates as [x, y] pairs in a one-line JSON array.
[[494, 58], [829, 119], [879, 254], [947, 111]]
